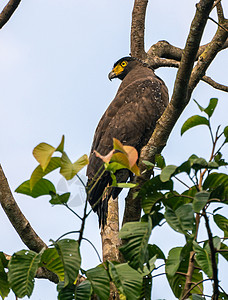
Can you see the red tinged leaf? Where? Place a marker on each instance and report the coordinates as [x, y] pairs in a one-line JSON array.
[[105, 158], [132, 155]]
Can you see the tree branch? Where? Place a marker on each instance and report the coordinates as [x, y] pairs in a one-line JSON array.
[[16, 217], [181, 95], [213, 258], [7, 11], [109, 233], [137, 29], [215, 84]]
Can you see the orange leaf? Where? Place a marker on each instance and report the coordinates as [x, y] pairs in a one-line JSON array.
[[132, 154], [105, 158]]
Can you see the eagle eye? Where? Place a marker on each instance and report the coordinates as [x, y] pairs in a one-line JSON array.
[[124, 63]]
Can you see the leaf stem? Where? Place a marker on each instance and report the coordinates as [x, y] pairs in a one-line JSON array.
[[67, 206], [93, 248], [70, 232]]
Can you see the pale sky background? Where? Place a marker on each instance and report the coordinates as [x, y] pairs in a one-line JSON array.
[[55, 56]]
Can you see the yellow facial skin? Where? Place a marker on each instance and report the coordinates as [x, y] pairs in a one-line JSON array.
[[120, 67]]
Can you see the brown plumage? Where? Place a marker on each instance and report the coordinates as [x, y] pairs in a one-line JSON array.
[[131, 118]]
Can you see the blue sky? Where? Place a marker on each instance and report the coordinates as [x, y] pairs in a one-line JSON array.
[[55, 56]]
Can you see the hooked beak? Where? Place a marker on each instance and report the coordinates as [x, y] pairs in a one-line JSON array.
[[111, 75]]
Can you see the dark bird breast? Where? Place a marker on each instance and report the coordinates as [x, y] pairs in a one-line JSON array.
[[131, 118]]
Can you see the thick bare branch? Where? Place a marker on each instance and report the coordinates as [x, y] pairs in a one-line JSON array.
[[7, 11], [16, 217], [109, 233], [180, 96], [163, 54], [208, 56], [137, 29]]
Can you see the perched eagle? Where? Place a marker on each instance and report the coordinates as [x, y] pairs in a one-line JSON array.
[[131, 118]]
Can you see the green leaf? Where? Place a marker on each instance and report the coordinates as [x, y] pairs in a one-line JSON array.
[[125, 185], [60, 147], [136, 235], [3, 260], [217, 183], [222, 223], [182, 219], [114, 166], [149, 267], [223, 296], [59, 199], [192, 122], [149, 164], [43, 153], [42, 187], [69, 254], [156, 217], [160, 161], [203, 259], [184, 167], [149, 200], [69, 170], [127, 280], [66, 293], [216, 243], [83, 291], [199, 163], [199, 106], [219, 160], [155, 250], [177, 282], [4, 284], [225, 132], [22, 270], [200, 200], [149, 193], [211, 107], [50, 260], [146, 288], [167, 172], [99, 280], [173, 261], [224, 253], [174, 200], [38, 173]]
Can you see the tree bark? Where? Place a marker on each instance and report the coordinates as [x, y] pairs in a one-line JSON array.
[[7, 11]]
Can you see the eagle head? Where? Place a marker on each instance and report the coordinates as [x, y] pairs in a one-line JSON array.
[[122, 67]]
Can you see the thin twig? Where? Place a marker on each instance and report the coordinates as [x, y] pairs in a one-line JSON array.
[[159, 275], [191, 288], [70, 232], [215, 84], [93, 248], [217, 24], [83, 223], [66, 205]]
